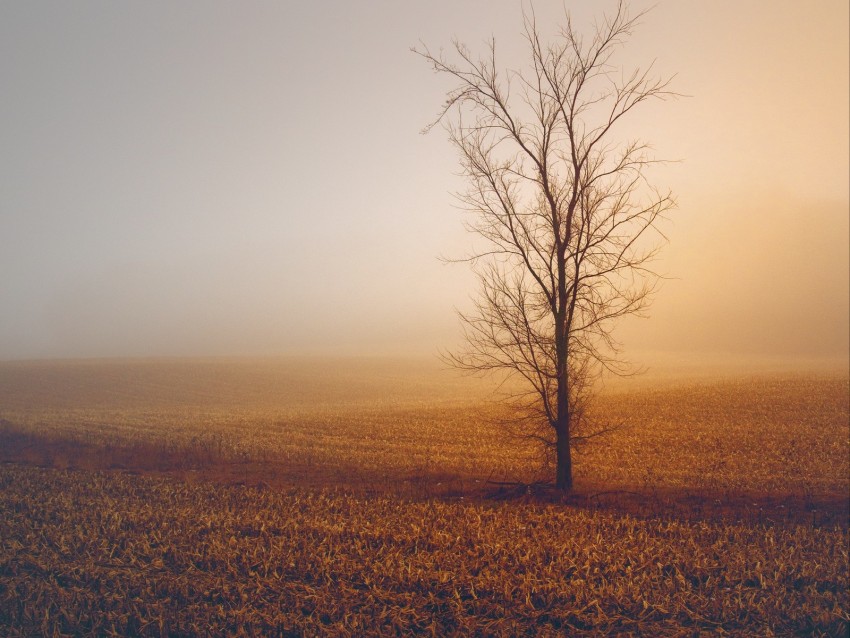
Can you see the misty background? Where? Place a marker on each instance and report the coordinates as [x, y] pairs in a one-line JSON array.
[[214, 178]]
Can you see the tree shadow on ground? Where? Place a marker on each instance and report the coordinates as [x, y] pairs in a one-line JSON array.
[[206, 459]]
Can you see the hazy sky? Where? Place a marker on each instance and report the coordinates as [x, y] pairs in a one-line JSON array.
[[211, 178]]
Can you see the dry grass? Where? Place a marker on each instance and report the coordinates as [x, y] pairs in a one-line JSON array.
[[720, 506]]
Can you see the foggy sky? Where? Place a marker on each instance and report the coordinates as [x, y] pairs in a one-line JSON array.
[[215, 178]]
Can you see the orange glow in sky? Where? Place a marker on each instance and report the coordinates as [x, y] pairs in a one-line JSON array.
[[205, 178]]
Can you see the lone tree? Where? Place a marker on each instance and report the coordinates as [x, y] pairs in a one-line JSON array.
[[563, 208]]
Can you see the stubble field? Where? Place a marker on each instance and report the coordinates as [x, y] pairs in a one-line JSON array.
[[308, 497]]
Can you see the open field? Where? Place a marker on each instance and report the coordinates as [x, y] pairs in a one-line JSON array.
[[349, 498]]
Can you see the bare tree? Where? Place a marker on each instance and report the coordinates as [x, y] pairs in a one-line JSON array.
[[563, 209]]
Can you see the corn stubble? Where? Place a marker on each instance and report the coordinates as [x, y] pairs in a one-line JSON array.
[[116, 554], [368, 517]]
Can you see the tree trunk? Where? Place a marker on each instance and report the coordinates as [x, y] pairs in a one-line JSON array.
[[564, 471]]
